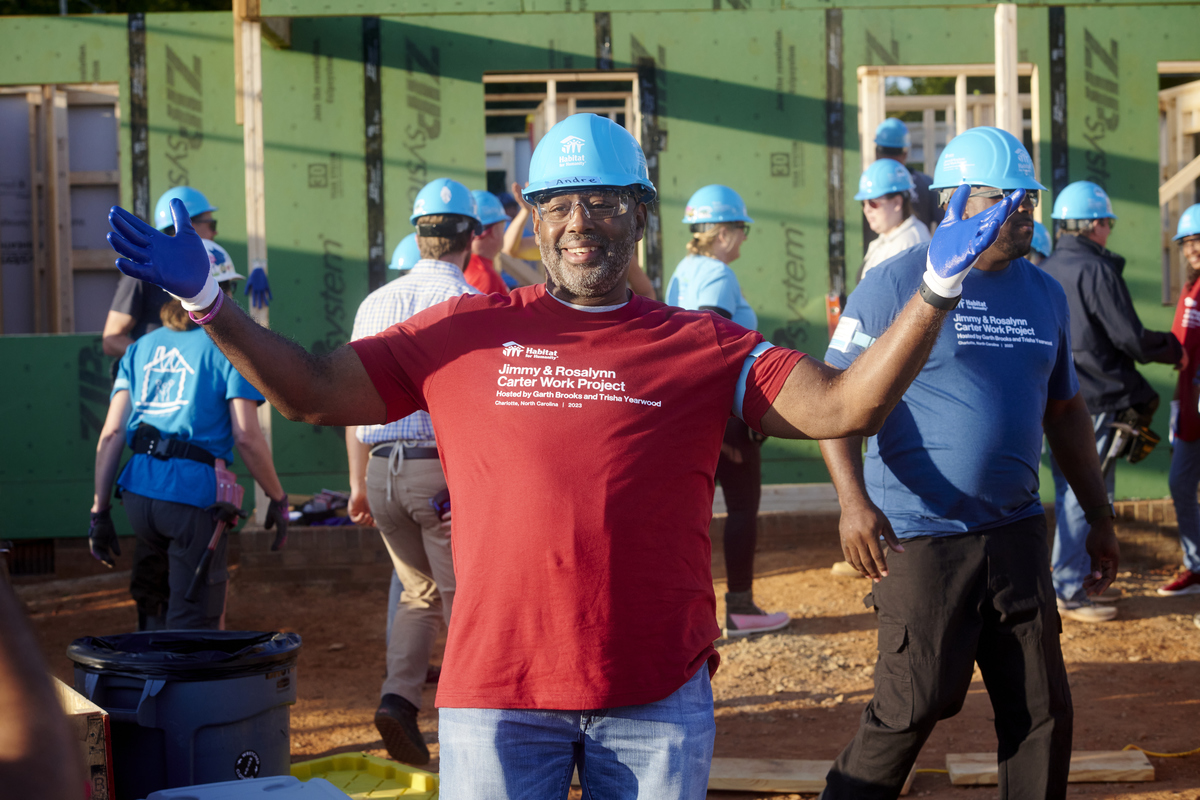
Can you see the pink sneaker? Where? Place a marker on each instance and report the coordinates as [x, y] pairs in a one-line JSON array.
[[1186, 582], [743, 617]]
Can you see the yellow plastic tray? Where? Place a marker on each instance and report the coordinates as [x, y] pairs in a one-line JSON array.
[[362, 776]]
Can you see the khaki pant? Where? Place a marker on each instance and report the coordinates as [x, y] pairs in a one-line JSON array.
[[420, 552]]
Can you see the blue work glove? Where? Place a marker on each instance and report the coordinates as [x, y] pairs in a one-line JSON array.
[[258, 288], [179, 263], [959, 242], [102, 538]]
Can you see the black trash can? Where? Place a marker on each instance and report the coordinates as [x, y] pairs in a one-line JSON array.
[[191, 707]]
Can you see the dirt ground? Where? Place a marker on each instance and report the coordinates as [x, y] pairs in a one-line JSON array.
[[794, 694]]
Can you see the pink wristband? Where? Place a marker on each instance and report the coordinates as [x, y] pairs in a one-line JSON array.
[[207, 318]]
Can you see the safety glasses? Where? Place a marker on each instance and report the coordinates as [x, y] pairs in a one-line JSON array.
[[1031, 195], [212, 223], [595, 206], [877, 202]]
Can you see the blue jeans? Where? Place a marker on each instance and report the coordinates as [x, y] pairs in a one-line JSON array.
[[1185, 478], [657, 751], [1070, 562]]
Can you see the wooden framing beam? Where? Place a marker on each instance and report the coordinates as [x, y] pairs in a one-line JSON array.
[[36, 195], [537, 97], [1008, 109], [920, 102], [561, 77], [58, 228], [873, 102], [1179, 181], [93, 260], [983, 70], [250, 39], [1178, 67], [99, 177]]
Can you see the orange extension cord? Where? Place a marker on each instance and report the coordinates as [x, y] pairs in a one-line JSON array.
[[1161, 755]]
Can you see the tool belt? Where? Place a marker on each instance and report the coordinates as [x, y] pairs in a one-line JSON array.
[[385, 451], [149, 441]]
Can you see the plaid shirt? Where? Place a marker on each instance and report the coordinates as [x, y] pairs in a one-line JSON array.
[[427, 284]]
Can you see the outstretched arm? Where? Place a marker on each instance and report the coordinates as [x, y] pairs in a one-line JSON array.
[[322, 390], [820, 402], [333, 389]]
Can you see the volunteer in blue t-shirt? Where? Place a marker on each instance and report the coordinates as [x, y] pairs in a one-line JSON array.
[[177, 396], [717, 218], [950, 485]]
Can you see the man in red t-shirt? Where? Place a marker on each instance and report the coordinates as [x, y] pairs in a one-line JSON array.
[[481, 270], [585, 615]]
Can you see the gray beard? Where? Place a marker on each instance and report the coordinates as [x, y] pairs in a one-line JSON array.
[[595, 281]]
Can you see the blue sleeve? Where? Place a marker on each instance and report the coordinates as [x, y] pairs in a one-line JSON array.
[[719, 289], [1064, 384], [124, 381], [237, 386], [869, 311]]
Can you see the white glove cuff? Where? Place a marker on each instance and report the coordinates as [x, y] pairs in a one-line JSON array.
[[204, 299], [945, 287]]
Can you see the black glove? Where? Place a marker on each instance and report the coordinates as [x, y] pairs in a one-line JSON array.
[[102, 538], [277, 517]]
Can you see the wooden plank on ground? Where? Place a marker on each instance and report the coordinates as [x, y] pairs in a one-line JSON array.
[[767, 774], [1087, 766], [762, 774]]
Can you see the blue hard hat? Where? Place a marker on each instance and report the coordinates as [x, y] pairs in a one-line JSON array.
[[585, 151], [1189, 223], [1041, 240], [1082, 200], [985, 156], [893, 133], [406, 253], [490, 209], [885, 176], [444, 196], [193, 200], [716, 203]]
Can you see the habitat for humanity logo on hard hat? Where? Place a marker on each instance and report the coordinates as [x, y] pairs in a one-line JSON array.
[[572, 148]]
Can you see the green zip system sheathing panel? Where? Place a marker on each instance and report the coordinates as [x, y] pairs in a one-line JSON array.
[[740, 98]]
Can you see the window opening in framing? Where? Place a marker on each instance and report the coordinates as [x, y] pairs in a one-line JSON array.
[[59, 177]]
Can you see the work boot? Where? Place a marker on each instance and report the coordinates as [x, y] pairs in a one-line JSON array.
[[743, 618], [1082, 609], [396, 720]]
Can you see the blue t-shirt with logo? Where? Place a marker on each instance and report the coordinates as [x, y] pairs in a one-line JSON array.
[[701, 281], [961, 450], [180, 383]]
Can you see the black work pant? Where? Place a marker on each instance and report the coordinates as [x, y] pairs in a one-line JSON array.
[[171, 538], [739, 471], [947, 603]]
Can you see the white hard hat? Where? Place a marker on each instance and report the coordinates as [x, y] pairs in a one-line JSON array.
[[220, 264]]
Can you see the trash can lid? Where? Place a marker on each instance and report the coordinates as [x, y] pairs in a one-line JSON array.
[[186, 655]]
